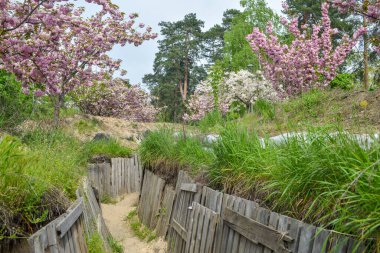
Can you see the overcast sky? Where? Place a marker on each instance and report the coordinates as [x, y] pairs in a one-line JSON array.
[[138, 61]]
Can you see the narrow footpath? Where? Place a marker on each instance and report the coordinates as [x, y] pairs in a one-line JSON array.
[[114, 216]]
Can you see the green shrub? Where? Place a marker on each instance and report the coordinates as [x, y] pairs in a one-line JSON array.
[[15, 106], [344, 81]]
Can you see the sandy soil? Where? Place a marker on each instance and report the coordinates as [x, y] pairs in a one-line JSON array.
[[114, 217]]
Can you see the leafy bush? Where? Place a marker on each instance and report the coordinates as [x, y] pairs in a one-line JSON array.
[[344, 81], [15, 106]]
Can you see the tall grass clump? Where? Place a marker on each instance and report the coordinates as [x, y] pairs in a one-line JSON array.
[[167, 151], [109, 148], [240, 161], [323, 178]]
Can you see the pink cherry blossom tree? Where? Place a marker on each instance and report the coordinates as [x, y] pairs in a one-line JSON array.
[[310, 61], [116, 98], [52, 48]]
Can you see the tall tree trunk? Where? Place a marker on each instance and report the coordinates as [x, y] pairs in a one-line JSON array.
[[185, 83], [365, 38], [57, 108]]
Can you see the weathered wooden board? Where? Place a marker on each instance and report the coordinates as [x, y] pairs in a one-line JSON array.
[[165, 212], [150, 201], [202, 230], [182, 210]]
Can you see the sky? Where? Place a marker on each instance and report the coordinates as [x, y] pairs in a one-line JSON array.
[[138, 61]]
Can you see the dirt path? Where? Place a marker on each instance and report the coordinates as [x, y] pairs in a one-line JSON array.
[[114, 217]]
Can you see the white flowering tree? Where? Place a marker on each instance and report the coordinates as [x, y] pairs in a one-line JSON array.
[[247, 88], [242, 87]]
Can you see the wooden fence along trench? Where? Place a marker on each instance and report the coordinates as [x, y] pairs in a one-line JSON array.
[[202, 220], [191, 217]]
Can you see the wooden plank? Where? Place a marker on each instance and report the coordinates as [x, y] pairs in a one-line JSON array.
[[73, 214], [255, 231], [199, 228], [273, 223], [189, 187], [52, 237], [179, 229], [320, 244], [192, 231], [306, 238], [205, 229], [165, 211]]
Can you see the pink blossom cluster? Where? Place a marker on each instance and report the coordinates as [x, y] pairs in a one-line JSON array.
[[242, 87], [310, 61], [116, 99], [372, 10], [52, 48]]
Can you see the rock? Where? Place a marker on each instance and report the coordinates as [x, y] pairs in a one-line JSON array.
[[101, 136]]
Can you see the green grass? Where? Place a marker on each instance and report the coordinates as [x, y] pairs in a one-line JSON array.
[[162, 149], [86, 125], [39, 173], [321, 178], [95, 243], [109, 148], [116, 247], [141, 231], [106, 199]]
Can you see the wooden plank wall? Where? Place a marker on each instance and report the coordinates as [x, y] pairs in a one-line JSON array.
[[63, 235], [243, 226], [150, 200], [201, 235], [66, 234], [123, 175]]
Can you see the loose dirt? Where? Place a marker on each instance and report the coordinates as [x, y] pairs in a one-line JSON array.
[[114, 216]]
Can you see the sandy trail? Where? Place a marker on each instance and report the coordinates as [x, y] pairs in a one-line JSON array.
[[114, 217]]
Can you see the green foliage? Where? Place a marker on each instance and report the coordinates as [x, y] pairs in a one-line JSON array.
[[265, 108], [212, 122], [237, 52], [15, 106], [162, 150], [318, 177], [86, 125], [344, 81], [308, 103], [106, 199], [109, 148], [95, 243], [116, 247], [176, 63], [39, 167], [141, 231]]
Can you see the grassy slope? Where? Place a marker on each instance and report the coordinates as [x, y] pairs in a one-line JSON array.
[[353, 111]]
